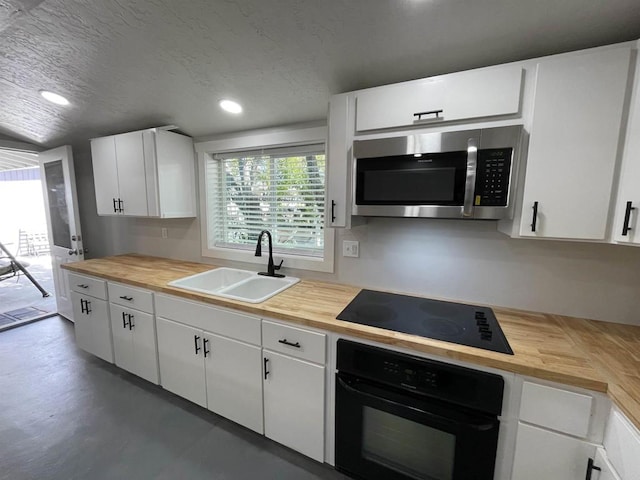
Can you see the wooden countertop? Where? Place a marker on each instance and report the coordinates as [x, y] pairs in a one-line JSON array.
[[599, 356]]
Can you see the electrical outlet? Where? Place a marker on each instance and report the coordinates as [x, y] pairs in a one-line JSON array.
[[350, 248], [165, 232]]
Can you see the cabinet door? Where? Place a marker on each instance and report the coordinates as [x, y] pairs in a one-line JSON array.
[[294, 404], [234, 380], [338, 203], [606, 470], [131, 173], [122, 338], [541, 454], [465, 95], [181, 360], [92, 326], [105, 174], [145, 350], [626, 224], [573, 147]]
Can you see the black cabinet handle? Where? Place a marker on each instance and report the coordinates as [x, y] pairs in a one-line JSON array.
[[131, 325], [124, 321], [266, 372], [87, 304], [83, 286], [120, 209], [82, 305], [430, 112], [128, 299], [205, 342], [627, 218], [590, 468], [195, 342], [115, 208], [285, 342], [333, 211], [534, 220]]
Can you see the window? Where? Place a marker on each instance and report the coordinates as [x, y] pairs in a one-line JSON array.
[[278, 188]]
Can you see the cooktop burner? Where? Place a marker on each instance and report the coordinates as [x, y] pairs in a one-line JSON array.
[[452, 322]]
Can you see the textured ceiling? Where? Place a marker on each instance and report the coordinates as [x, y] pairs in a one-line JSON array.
[[133, 64]]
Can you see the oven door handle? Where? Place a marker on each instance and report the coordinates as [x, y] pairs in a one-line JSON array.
[[356, 391]]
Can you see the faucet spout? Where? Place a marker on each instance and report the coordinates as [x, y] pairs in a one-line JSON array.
[[271, 268]]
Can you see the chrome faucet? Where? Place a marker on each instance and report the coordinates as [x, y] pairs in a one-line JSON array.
[[271, 268]]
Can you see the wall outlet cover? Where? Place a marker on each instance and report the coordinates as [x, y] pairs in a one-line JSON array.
[[350, 248], [165, 232]]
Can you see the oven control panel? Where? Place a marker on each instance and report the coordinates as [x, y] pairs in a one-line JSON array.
[[409, 376], [492, 177]]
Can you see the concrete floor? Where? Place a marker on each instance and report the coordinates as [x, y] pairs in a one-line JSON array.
[[65, 414]]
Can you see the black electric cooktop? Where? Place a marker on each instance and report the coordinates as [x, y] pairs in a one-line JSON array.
[[451, 322]]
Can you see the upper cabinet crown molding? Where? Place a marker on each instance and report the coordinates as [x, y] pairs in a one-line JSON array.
[[147, 173]]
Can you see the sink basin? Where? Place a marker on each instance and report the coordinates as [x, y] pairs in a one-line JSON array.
[[242, 285]]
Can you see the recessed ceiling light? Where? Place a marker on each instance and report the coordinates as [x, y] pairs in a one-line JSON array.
[[54, 97], [230, 106]]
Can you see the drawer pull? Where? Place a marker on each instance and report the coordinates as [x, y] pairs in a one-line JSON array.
[[266, 372], [124, 320], [131, 325], [124, 297], [430, 112], [205, 342], [285, 342], [83, 286], [534, 219], [195, 343], [627, 218]]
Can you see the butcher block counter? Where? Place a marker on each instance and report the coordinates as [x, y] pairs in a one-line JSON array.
[[599, 356]]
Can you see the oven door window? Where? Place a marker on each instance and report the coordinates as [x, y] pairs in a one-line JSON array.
[[432, 179], [413, 449], [384, 432]]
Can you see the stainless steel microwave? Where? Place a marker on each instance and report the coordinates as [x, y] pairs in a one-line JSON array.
[[462, 174]]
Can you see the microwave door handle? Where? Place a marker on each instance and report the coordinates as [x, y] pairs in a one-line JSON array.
[[470, 186]]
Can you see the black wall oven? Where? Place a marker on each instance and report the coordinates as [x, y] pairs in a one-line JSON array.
[[402, 417]]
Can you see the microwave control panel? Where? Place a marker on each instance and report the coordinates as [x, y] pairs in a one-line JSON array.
[[492, 177]]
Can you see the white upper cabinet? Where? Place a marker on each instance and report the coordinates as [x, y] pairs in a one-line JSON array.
[[485, 92], [626, 223], [573, 146], [148, 173]]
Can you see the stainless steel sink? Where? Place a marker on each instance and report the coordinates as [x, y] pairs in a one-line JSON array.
[[242, 285]]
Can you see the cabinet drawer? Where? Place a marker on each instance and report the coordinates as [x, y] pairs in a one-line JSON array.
[[294, 341], [457, 96], [559, 410], [130, 297], [215, 320], [88, 285]]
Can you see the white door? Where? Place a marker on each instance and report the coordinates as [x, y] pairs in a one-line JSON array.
[[181, 360], [122, 337], [105, 175], [93, 329], [131, 174], [294, 404], [63, 219], [234, 381]]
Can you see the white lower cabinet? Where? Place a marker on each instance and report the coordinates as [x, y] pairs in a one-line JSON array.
[[134, 342], [181, 360], [603, 469], [294, 403], [234, 382], [92, 326], [542, 454]]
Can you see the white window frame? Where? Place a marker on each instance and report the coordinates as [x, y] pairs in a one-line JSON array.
[[252, 140]]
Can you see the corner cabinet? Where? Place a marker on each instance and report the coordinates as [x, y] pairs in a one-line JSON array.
[[573, 147], [558, 432], [148, 173]]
